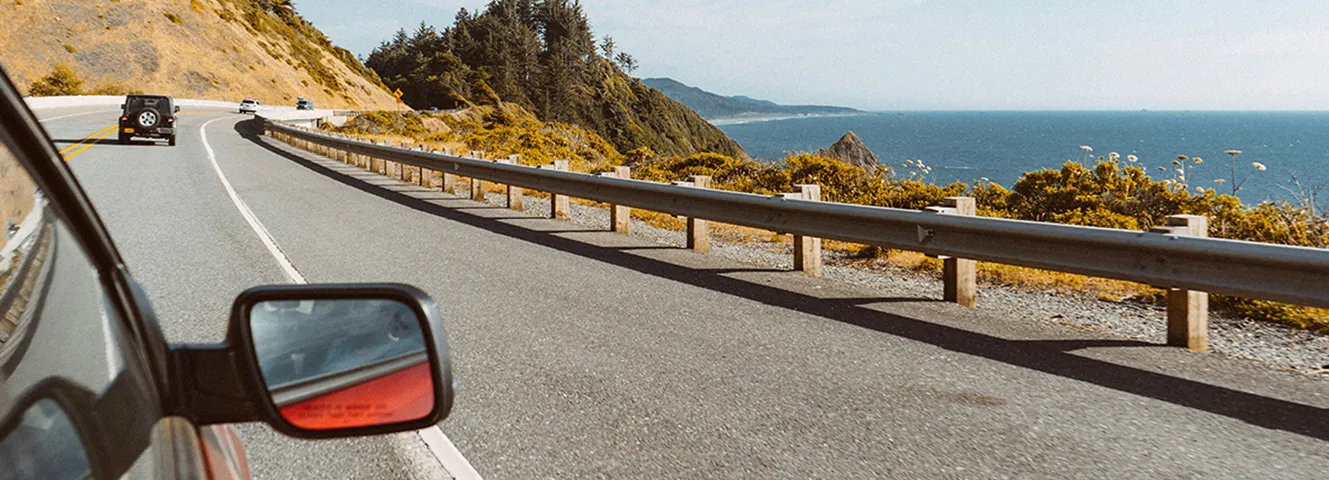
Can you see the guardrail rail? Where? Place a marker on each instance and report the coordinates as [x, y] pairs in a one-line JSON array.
[[1175, 258]]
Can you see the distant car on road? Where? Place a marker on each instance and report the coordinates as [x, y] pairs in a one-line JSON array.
[[304, 104], [148, 116], [249, 105]]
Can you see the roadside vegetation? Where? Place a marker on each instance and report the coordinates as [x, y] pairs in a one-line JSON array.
[[1108, 191], [308, 45], [65, 81]]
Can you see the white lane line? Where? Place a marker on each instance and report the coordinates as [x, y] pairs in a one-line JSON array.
[[75, 115], [443, 449], [448, 455], [258, 227]]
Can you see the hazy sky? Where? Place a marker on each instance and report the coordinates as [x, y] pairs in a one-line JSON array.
[[921, 54]]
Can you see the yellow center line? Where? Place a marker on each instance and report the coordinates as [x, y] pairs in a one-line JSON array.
[[90, 144], [89, 137]]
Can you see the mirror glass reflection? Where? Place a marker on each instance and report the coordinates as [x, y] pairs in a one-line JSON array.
[[44, 444], [344, 363]]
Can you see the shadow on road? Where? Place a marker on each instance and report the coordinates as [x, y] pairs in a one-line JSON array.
[[1047, 356]]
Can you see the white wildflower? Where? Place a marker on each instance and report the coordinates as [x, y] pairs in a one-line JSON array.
[[1259, 166]]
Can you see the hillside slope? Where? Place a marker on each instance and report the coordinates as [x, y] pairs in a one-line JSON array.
[[541, 55], [212, 49], [712, 106]]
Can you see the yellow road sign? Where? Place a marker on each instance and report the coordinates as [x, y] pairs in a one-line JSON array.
[[397, 94]]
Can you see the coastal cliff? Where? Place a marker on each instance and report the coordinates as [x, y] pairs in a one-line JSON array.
[[851, 150]]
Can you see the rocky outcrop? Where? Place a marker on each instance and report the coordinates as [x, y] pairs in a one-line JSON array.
[[851, 150]]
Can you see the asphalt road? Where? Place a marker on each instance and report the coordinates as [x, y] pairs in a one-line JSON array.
[[587, 354]]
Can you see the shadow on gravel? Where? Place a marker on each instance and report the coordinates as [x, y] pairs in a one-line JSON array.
[[1047, 356]]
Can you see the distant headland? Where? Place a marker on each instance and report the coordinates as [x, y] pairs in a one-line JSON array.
[[719, 109]]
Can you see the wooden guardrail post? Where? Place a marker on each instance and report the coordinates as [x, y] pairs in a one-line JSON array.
[[699, 230], [429, 175], [515, 193], [558, 204], [807, 250], [478, 185], [361, 160], [960, 275], [376, 165], [1187, 310], [450, 180], [620, 217], [402, 169]]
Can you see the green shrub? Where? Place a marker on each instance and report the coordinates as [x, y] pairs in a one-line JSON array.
[[61, 81]]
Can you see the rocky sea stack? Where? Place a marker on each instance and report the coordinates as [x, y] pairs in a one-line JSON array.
[[851, 150]]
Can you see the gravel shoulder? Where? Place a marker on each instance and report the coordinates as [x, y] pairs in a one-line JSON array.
[[1275, 345]]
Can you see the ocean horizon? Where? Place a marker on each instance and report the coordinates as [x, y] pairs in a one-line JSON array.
[[1000, 145]]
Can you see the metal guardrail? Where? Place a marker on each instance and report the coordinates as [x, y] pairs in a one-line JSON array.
[[1296, 275]]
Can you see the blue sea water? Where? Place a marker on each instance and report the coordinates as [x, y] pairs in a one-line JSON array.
[[965, 146]]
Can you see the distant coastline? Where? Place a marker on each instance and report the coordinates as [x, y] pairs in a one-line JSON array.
[[773, 117]]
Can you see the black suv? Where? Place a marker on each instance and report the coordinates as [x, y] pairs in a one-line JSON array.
[[149, 116]]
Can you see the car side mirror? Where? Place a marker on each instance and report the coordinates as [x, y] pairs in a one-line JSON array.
[[322, 361], [122, 106], [177, 109]]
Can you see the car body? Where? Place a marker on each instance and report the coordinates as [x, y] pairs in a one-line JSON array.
[[90, 388], [148, 116], [304, 104], [249, 105]]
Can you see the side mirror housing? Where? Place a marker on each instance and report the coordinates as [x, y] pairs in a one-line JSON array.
[[177, 109], [324, 361]]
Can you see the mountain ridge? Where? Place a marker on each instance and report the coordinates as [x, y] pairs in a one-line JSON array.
[[712, 106]]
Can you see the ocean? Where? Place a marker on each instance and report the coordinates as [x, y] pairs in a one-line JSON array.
[[1000, 146]]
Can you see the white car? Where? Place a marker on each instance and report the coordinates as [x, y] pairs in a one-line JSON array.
[[249, 105]]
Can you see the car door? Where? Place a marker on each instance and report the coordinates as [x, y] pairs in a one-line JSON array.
[[82, 362]]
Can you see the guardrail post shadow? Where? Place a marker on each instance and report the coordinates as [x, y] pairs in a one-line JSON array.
[[1187, 310], [960, 275], [699, 230], [620, 217], [420, 171], [478, 185], [807, 250], [515, 194], [450, 180], [558, 204]]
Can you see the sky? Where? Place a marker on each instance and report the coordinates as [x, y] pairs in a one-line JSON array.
[[942, 55]]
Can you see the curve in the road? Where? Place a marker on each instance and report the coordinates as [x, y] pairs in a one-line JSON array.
[[443, 448]]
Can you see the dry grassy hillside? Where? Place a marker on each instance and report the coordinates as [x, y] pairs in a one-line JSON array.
[[211, 49]]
